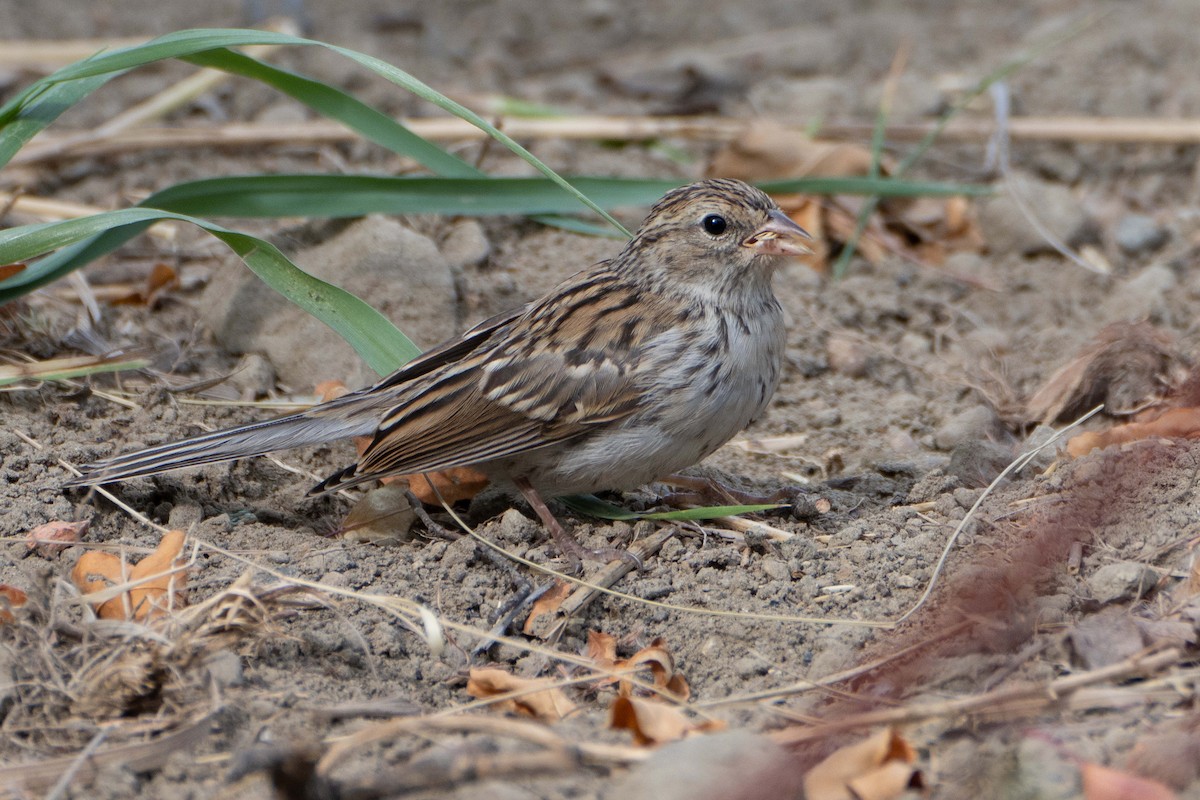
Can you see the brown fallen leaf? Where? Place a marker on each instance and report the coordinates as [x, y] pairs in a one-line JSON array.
[[97, 570], [875, 768], [161, 278], [548, 603], [653, 723], [1176, 423], [1105, 783], [602, 648], [8, 270], [540, 698], [451, 485], [51, 538], [10, 597], [926, 228], [1127, 366]]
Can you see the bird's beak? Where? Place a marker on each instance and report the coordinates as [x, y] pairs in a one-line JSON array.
[[779, 237]]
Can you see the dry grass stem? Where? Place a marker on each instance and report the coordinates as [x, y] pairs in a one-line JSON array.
[[1148, 131], [1019, 700]]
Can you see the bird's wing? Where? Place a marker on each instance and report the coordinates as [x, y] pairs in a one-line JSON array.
[[563, 369]]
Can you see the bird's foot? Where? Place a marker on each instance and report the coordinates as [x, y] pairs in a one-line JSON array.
[[567, 544]]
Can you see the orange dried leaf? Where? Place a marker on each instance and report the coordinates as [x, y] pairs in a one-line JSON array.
[[538, 697], [602, 648], [10, 597], [1177, 423], [768, 151], [452, 485], [53, 537], [880, 766], [162, 277], [548, 603], [332, 390], [8, 270], [653, 723], [1104, 783], [96, 571]]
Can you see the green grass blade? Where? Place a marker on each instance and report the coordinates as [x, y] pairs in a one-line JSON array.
[[338, 105], [371, 335], [190, 43], [592, 506], [354, 195], [29, 113]]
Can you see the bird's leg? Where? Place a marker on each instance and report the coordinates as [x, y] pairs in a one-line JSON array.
[[570, 547], [700, 489]]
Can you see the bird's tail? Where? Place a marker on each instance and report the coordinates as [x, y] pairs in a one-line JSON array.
[[352, 415]]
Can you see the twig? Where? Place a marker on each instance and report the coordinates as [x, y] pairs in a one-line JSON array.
[[50, 54], [1026, 698], [1091, 130]]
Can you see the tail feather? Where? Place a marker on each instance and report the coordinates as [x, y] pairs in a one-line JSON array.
[[254, 439]]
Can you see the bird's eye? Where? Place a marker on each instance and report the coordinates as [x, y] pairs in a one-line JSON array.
[[714, 224]]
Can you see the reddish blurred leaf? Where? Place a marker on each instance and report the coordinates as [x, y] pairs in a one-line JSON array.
[[8, 270], [1105, 783], [53, 537], [1176, 423], [10, 597]]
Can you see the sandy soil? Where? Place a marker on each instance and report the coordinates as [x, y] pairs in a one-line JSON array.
[[899, 396]]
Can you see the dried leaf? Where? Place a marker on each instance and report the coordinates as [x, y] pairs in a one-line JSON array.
[[1176, 423], [96, 571], [654, 723], [452, 485], [602, 648], [381, 516], [540, 698], [548, 603], [53, 537], [1127, 366], [768, 151], [10, 597], [162, 277], [880, 766], [1105, 783], [8, 270]]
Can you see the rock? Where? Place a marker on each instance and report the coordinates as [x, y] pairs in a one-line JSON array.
[[1124, 580], [1142, 296], [254, 377], [1106, 638], [776, 569], [976, 422], [750, 667], [1006, 228], [465, 244], [714, 767], [1138, 233], [847, 356], [399, 272], [977, 462]]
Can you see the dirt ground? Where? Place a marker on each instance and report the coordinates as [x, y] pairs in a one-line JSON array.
[[898, 404]]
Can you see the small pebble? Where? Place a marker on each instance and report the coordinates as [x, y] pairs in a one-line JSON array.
[[1138, 233]]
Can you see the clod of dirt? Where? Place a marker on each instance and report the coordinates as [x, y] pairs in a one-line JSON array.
[[1124, 580], [1006, 228]]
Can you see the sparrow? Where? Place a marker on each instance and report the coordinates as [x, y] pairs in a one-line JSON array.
[[623, 373]]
